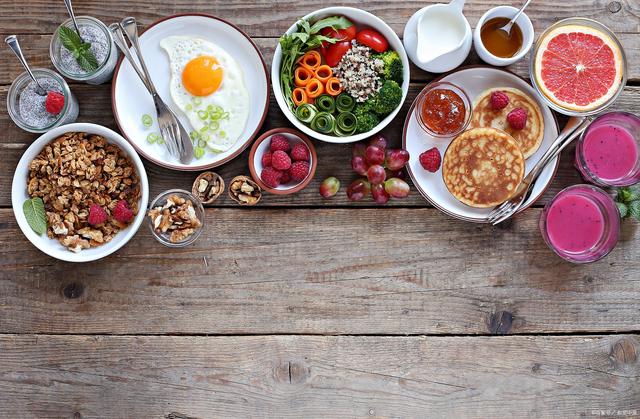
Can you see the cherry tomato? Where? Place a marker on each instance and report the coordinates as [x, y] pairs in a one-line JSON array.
[[373, 39], [335, 52], [341, 34]]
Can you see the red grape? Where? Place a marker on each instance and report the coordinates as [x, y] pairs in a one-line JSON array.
[[359, 165], [396, 159], [374, 155], [358, 149], [400, 174], [397, 188], [378, 141], [358, 189], [329, 187], [378, 193], [376, 174]]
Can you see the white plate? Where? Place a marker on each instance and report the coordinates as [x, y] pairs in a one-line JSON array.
[[360, 18], [130, 99], [473, 80], [19, 195]]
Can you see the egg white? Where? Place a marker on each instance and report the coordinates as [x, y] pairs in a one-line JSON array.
[[232, 95]]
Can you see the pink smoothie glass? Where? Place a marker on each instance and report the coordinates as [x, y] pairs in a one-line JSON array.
[[581, 224], [608, 153]]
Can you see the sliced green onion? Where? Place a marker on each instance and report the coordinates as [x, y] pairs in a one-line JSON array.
[[147, 121], [198, 152], [326, 103], [214, 125], [197, 101], [202, 143], [189, 106], [214, 116], [160, 141], [194, 135], [345, 103], [225, 115], [152, 138], [204, 129], [324, 123], [203, 115], [206, 137], [222, 134], [306, 112], [209, 108]]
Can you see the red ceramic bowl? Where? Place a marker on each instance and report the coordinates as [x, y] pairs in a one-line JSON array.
[[261, 145]]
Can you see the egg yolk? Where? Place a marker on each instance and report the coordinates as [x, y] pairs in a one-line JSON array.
[[202, 76]]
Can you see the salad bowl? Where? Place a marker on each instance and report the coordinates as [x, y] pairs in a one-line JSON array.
[[361, 19]]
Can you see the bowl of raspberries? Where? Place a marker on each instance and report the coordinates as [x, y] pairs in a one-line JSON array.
[[282, 161]]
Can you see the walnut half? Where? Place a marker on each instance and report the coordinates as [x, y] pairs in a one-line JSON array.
[[244, 191]]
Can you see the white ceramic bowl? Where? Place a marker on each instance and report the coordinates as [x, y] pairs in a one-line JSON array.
[[523, 22], [360, 18], [19, 195]]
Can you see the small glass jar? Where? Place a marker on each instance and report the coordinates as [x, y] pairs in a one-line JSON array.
[[608, 152], [107, 57], [67, 115], [581, 224], [161, 201], [444, 107]]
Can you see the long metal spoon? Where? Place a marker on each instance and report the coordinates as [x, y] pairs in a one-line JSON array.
[[12, 41], [73, 17], [507, 28]]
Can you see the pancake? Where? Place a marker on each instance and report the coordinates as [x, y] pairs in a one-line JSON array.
[[482, 167], [528, 138]]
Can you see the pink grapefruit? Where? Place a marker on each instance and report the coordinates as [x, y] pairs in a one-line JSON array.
[[578, 67]]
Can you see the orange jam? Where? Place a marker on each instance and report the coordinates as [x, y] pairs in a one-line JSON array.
[[443, 111]]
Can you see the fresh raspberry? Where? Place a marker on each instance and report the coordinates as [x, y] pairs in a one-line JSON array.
[[499, 100], [122, 212], [300, 152], [271, 177], [266, 159], [54, 102], [299, 170], [286, 178], [517, 118], [97, 215], [279, 142], [430, 160], [280, 160]]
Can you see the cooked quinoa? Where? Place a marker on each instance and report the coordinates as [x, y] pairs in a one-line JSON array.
[[359, 72]]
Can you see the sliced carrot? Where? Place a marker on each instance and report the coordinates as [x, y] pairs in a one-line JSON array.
[[333, 86], [324, 73], [299, 96], [314, 88], [311, 59], [302, 75]]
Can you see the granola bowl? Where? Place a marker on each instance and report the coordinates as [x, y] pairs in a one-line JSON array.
[[91, 166]]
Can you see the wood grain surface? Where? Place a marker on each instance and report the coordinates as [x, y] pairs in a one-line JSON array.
[[305, 307]]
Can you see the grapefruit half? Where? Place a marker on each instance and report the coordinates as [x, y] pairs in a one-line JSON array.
[[579, 67]]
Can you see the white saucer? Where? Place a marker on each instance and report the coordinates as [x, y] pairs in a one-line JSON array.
[[473, 80], [130, 99]]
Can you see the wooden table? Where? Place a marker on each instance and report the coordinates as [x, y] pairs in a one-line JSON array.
[[305, 307]]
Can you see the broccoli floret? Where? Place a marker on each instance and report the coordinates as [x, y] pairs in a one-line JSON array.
[[366, 119], [388, 98], [392, 69]]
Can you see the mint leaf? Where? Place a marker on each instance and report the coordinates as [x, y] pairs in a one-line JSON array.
[[69, 38], [624, 211], [634, 210], [35, 214], [87, 61]]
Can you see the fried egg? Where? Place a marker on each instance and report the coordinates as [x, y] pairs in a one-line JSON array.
[[207, 85]]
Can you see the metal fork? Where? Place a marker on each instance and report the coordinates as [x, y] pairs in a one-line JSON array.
[[175, 136], [574, 128]]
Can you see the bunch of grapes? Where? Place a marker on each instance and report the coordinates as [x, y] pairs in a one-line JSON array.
[[383, 169]]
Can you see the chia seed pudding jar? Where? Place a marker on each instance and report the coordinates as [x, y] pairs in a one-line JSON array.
[[27, 108], [102, 46]]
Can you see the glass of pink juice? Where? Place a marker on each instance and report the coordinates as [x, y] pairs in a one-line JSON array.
[[608, 153], [581, 224]]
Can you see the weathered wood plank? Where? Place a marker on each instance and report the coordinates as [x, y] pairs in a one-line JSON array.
[[319, 376], [267, 18], [95, 105], [36, 48], [329, 271]]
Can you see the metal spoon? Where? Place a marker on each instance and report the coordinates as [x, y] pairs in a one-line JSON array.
[[73, 17], [507, 28], [12, 41]]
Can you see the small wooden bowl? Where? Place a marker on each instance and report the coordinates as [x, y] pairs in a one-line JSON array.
[[206, 196], [235, 192], [261, 144]]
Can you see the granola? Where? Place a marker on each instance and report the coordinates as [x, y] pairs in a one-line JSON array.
[[176, 219], [74, 172]]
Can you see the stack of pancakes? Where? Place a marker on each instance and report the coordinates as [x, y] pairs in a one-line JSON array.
[[483, 166]]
